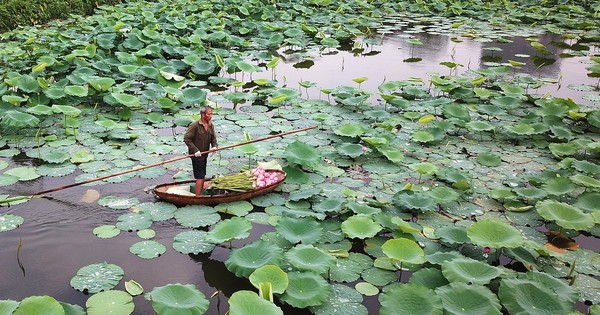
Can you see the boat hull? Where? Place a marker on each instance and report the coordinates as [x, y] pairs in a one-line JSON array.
[[161, 191]]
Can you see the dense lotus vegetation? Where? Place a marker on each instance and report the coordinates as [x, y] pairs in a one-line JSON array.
[[452, 194]]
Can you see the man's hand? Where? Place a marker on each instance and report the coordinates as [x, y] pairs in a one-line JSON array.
[[198, 154], [215, 150]]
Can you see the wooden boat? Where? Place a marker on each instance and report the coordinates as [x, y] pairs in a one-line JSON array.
[[171, 192]]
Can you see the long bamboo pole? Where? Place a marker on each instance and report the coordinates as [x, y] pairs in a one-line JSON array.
[[159, 163]]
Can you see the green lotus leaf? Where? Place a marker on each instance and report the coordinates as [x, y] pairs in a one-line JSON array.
[[23, 173], [39, 305], [350, 149], [310, 258], [329, 205], [521, 296], [360, 226], [348, 269], [452, 235], [76, 90], [148, 249], [489, 159], [14, 118], [365, 209], [585, 181], [366, 289], [106, 231], [565, 215], [470, 271], [230, 229], [306, 289], [272, 274], [7, 307], [196, 216], [530, 192], [588, 201], [40, 110], [494, 233], [405, 227], [404, 250], [97, 277], [349, 130], [101, 84], [457, 111], [425, 168], [301, 153], [14, 100], [128, 100], [480, 126], [193, 242], [10, 222], [247, 302], [410, 298], [175, 299], [342, 300], [562, 149], [56, 156], [410, 200], [66, 110], [82, 156], [521, 129], [237, 208], [429, 277], [146, 233], [586, 167], [28, 84], [502, 193], [160, 211], [423, 136], [562, 288], [111, 301], [133, 288], [244, 261], [194, 95], [443, 194], [306, 230], [128, 69], [134, 221], [379, 277], [461, 298]]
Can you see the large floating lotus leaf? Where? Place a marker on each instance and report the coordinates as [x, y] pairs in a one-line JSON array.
[[452, 235], [470, 271], [193, 242], [272, 274], [585, 181], [521, 296], [342, 300], [494, 233], [115, 202], [14, 118], [101, 83], [56, 156], [304, 193], [301, 153], [425, 168], [310, 258], [106, 231], [362, 208], [147, 249], [410, 298], [160, 211], [110, 302], [350, 149], [175, 299], [530, 192], [404, 250], [332, 205], [558, 186], [586, 167], [565, 215], [360, 226], [230, 229], [8, 306], [429, 277], [76, 90], [196, 216], [439, 257], [23, 173], [247, 302], [128, 100], [588, 201], [460, 298], [10, 222], [237, 208], [410, 200], [562, 288], [489, 159], [349, 269], [7, 180], [479, 126], [443, 194], [243, 261], [306, 230], [306, 289], [67, 110], [134, 221], [349, 130], [97, 277], [379, 277], [46, 305], [56, 170], [457, 111], [563, 149]]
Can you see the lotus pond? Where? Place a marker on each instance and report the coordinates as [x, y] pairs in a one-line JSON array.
[[454, 169]]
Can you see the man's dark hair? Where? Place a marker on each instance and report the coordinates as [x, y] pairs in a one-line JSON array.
[[204, 109]]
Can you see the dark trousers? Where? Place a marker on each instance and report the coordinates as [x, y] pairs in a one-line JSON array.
[[199, 167]]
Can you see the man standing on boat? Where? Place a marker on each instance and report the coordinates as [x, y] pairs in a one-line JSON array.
[[199, 137]]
